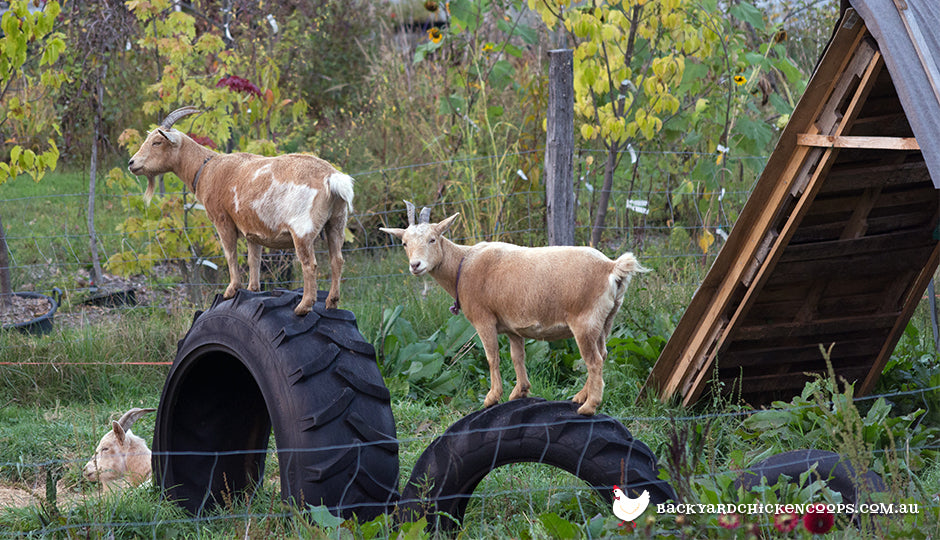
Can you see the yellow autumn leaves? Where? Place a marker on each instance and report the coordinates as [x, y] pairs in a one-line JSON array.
[[621, 94]]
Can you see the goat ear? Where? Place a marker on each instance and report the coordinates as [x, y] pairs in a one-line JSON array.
[[443, 226], [118, 431], [398, 233], [172, 136]]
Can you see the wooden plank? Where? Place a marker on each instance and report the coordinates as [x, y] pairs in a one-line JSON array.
[[844, 178], [867, 265], [849, 141], [836, 249], [843, 202], [819, 328], [756, 390], [771, 354], [876, 226]]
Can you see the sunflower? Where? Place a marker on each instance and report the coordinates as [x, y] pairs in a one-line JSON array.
[[740, 79], [435, 35]]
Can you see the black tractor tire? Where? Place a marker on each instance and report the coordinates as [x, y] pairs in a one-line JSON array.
[[249, 363], [831, 467], [597, 449]]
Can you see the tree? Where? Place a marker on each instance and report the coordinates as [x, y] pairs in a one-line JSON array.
[[96, 32], [629, 61], [29, 50]]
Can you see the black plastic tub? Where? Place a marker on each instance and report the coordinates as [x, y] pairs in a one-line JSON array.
[[42, 324]]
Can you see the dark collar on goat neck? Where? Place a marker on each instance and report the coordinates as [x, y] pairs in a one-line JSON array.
[[455, 309], [196, 178]]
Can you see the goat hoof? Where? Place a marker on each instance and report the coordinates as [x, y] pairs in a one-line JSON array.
[[301, 310], [580, 397], [332, 303], [519, 394], [587, 409], [490, 401], [229, 292]]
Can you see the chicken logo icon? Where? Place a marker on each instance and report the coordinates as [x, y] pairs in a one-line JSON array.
[[628, 509]]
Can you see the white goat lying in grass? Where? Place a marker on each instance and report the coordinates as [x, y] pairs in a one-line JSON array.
[[121, 458], [545, 293], [281, 202]]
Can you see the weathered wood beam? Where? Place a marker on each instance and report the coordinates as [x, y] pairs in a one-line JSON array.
[[852, 141]]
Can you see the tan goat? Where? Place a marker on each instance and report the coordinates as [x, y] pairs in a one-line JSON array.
[[281, 202], [545, 293], [121, 457]]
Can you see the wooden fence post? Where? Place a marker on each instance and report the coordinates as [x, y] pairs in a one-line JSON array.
[[559, 149]]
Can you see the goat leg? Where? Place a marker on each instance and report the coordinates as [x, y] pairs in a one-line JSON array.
[[254, 266], [489, 337], [335, 235], [228, 237], [517, 352], [303, 246], [593, 392]]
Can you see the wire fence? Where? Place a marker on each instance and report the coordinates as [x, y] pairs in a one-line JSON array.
[[881, 503], [666, 221], [49, 239]]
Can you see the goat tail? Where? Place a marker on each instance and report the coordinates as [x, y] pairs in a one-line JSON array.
[[627, 265], [341, 185], [624, 267]]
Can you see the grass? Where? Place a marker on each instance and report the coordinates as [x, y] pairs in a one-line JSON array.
[[59, 392]]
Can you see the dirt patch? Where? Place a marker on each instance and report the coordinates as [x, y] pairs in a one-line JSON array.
[[13, 496]]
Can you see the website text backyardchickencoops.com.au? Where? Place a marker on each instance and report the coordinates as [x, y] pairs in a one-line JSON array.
[[760, 508]]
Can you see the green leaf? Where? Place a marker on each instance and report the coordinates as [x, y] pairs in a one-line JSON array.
[[558, 527], [526, 33], [322, 517], [414, 531], [749, 14], [502, 74], [466, 15], [453, 104]]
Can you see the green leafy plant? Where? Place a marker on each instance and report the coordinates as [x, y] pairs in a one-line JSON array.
[[29, 50], [422, 367], [913, 373], [825, 418]]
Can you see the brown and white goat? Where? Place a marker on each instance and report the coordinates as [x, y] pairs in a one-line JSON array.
[[121, 458], [281, 202], [544, 293]]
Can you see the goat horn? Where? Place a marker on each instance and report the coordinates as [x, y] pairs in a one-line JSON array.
[[177, 114], [131, 416], [425, 216], [411, 213]]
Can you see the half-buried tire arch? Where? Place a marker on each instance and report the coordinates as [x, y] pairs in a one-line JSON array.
[[247, 365], [597, 449]]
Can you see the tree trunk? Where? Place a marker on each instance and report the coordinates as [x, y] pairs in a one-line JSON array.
[[96, 277], [604, 199], [6, 287]]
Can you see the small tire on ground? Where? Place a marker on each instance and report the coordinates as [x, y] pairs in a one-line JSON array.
[[248, 364], [831, 467], [597, 449]]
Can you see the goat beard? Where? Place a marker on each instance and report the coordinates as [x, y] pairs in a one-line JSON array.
[[151, 186]]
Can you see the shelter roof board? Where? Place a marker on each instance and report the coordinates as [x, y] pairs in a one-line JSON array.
[[833, 249]]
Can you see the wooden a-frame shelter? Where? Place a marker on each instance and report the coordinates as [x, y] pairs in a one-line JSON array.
[[839, 238]]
